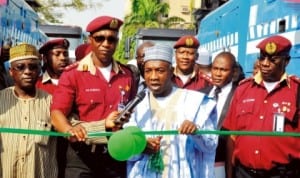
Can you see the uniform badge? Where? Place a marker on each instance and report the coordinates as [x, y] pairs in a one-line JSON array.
[[189, 42], [121, 105], [66, 43], [275, 105], [113, 24], [284, 109], [271, 48], [127, 88]]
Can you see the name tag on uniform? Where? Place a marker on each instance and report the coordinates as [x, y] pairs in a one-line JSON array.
[[278, 122]]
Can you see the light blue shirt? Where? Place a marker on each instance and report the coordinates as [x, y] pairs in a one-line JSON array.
[[189, 156]]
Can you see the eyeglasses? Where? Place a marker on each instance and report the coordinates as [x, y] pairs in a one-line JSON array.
[[21, 67], [140, 56], [109, 39], [270, 58]]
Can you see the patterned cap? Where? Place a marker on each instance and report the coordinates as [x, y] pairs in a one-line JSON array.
[[204, 57], [275, 45], [188, 41], [23, 51], [159, 52], [53, 44], [104, 22]]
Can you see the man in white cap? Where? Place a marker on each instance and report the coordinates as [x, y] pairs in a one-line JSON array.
[[23, 106], [167, 107], [203, 61]]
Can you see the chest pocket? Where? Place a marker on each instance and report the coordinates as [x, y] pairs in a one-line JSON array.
[[90, 97], [246, 108]]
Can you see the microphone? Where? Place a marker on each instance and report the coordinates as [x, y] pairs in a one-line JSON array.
[[130, 106]]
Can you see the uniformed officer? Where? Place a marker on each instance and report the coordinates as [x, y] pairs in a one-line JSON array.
[[266, 102], [186, 75], [95, 87], [55, 56], [82, 50]]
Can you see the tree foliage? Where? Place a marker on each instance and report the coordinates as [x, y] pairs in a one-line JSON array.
[[144, 14], [49, 13]]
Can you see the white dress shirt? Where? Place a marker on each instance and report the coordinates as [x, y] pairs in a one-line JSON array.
[[225, 90]]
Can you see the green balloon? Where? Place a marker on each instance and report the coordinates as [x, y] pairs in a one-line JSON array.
[[121, 145], [139, 139]]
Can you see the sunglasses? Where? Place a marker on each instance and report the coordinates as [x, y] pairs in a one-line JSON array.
[[272, 59], [22, 67], [109, 39]]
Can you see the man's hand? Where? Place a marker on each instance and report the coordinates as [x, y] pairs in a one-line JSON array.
[[187, 127], [78, 133], [153, 145], [109, 121]]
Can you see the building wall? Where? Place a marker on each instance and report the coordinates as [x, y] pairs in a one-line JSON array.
[[179, 8], [183, 9]]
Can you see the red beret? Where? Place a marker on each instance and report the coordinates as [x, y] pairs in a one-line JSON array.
[[53, 44], [188, 41], [82, 50], [275, 45], [104, 22]]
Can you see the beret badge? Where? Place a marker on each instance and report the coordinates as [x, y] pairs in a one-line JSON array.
[[189, 42], [113, 24], [66, 43], [271, 48]]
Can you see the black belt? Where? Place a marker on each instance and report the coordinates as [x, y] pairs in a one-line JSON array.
[[288, 170], [92, 148]]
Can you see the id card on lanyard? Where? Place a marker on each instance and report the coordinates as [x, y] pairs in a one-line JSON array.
[[278, 122]]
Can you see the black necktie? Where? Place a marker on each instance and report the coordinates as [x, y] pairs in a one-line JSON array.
[[216, 93]]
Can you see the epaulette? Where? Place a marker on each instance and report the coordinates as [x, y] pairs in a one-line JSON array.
[[205, 77], [124, 67], [248, 79], [71, 66], [294, 78]]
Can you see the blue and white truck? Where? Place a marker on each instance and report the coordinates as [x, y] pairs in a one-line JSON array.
[[239, 25]]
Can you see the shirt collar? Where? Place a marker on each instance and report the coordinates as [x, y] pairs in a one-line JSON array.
[[227, 87], [46, 77], [224, 90], [176, 73], [258, 78], [86, 64]]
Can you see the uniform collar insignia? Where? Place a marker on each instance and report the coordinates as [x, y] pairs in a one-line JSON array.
[[258, 78], [85, 67]]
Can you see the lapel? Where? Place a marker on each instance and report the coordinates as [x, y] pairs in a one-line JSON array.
[[207, 89], [226, 105]]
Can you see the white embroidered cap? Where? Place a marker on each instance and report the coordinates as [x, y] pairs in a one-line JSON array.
[[159, 52], [204, 57]]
